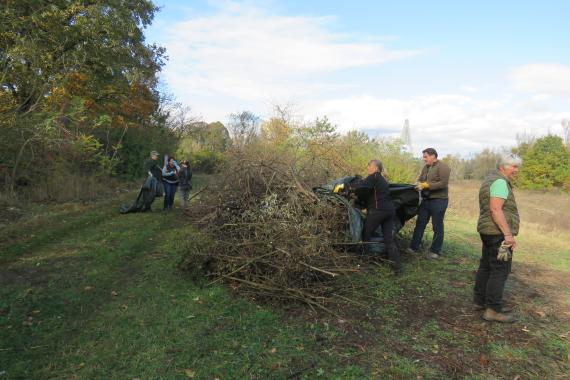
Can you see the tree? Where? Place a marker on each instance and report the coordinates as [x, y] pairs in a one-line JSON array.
[[75, 76], [457, 165], [483, 163], [43, 42], [546, 164], [243, 127]]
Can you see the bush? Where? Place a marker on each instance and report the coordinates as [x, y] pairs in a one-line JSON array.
[[546, 165], [206, 161]]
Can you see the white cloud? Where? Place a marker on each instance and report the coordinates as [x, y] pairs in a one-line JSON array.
[[543, 79], [248, 53], [450, 123]]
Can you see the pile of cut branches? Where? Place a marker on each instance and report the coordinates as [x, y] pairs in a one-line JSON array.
[[268, 234]]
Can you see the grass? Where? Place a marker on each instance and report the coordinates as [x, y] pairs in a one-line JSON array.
[[88, 293]]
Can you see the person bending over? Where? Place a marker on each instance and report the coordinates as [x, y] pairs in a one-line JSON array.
[[381, 210]]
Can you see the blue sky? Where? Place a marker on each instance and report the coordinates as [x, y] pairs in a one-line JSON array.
[[468, 75]]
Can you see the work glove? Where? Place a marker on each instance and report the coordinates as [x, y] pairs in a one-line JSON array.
[[422, 186], [505, 252], [338, 188]]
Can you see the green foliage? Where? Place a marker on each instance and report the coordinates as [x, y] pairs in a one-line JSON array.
[[77, 80], [43, 41], [203, 144], [321, 152], [137, 144], [546, 164], [206, 161]]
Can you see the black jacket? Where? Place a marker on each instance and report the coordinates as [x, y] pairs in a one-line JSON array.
[[151, 166], [379, 196], [185, 178]]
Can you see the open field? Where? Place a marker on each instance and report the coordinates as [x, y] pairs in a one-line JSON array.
[[88, 293]]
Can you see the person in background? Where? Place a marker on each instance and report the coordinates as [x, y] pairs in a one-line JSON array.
[[433, 183], [381, 210], [170, 179], [185, 184], [151, 169], [498, 224], [151, 166]]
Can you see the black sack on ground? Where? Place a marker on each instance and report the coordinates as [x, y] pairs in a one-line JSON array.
[[150, 190]]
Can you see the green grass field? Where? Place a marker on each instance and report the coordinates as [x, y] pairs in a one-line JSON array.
[[89, 293]]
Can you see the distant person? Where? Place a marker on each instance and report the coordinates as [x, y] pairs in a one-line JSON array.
[[151, 189], [433, 183], [381, 211], [170, 179], [185, 184], [498, 224]]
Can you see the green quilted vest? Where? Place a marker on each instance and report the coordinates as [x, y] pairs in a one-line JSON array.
[[485, 224]]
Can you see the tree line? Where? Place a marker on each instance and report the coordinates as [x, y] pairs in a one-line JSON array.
[[80, 103], [546, 163]]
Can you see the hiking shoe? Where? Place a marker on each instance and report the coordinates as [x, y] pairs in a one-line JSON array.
[[493, 316], [433, 255], [479, 307], [411, 251]]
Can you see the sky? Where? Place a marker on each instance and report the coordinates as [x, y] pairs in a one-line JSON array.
[[467, 75]]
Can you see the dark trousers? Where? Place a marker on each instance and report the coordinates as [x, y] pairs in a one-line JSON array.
[[491, 275], [169, 192], [386, 219], [434, 209]]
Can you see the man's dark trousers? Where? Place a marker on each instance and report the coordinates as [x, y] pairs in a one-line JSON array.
[[491, 275], [434, 209]]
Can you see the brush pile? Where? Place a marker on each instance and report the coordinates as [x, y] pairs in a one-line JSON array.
[[268, 235]]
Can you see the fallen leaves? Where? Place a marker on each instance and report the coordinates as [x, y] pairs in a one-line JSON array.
[[190, 373]]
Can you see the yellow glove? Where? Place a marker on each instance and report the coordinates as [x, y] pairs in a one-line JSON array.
[[422, 186], [338, 188]]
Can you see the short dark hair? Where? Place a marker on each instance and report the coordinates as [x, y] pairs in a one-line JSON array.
[[430, 151]]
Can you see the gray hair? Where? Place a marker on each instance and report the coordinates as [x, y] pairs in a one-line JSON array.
[[508, 160], [378, 165]]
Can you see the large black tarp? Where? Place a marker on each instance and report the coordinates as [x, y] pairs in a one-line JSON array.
[[405, 197], [150, 189]]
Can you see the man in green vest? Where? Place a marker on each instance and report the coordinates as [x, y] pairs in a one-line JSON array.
[[498, 224]]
